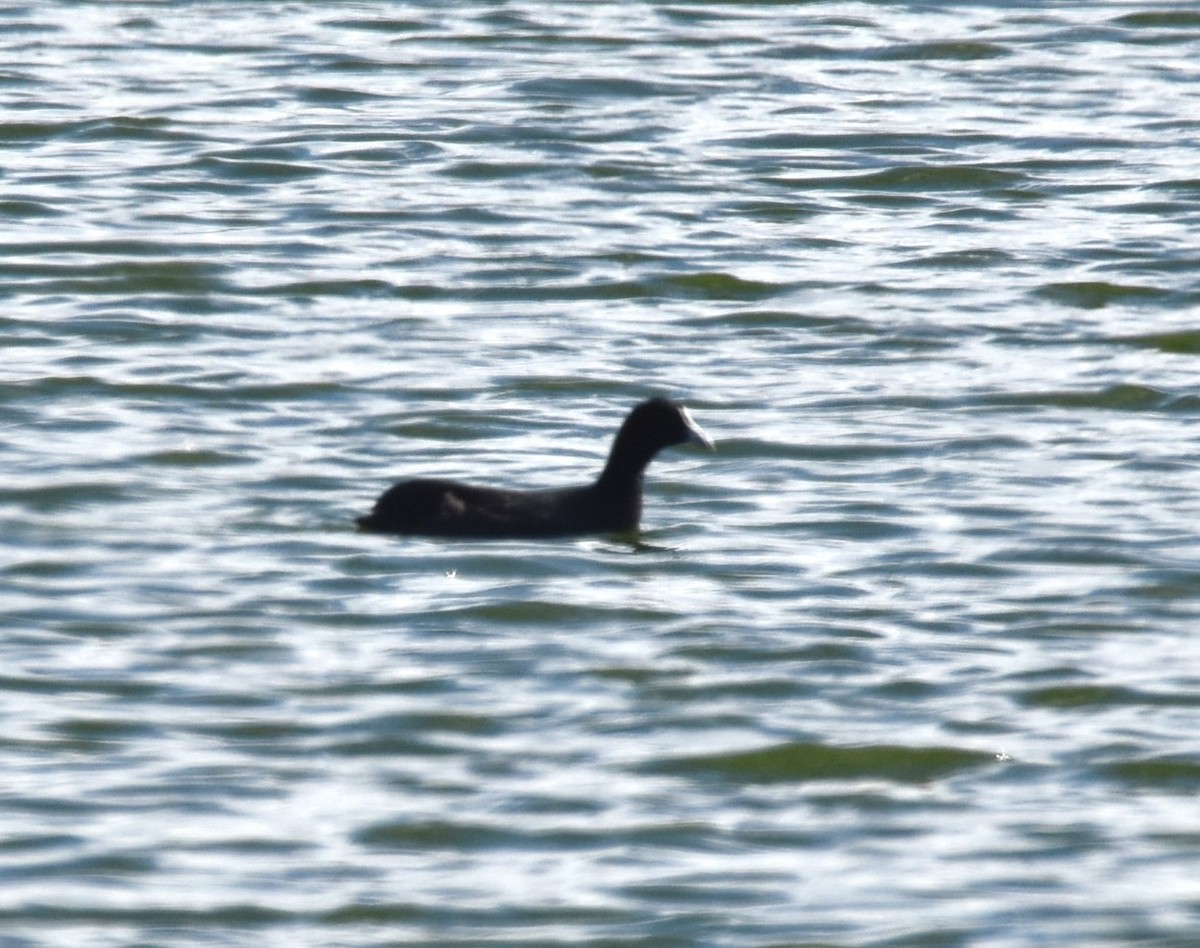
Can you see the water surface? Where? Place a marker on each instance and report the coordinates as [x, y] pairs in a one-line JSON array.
[[911, 660]]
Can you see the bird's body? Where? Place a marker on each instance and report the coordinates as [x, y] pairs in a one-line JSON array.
[[434, 507], [611, 504]]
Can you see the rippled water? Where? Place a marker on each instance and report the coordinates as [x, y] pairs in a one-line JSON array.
[[913, 659]]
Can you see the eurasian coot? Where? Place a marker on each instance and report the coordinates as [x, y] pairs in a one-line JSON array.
[[612, 504]]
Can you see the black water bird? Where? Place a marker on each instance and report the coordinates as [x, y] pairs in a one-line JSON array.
[[611, 504]]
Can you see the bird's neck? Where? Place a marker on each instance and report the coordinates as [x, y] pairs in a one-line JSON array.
[[625, 465]]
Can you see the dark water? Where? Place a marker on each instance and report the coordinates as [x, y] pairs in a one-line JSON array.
[[912, 660]]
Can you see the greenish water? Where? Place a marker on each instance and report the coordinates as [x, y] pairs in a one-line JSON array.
[[911, 660]]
